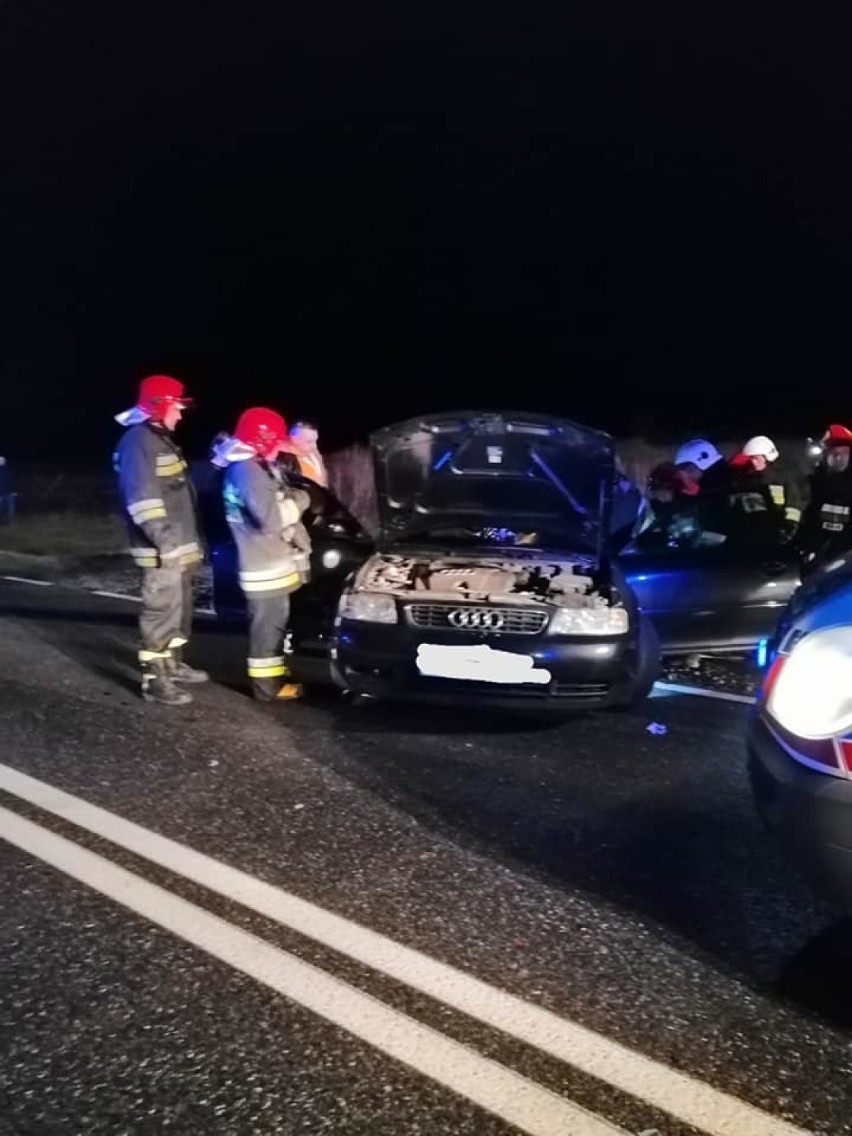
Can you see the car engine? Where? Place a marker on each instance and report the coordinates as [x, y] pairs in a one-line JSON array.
[[566, 584]]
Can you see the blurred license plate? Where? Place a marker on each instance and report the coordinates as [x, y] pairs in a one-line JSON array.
[[479, 663]]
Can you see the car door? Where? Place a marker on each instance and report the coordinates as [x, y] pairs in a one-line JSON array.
[[711, 598]]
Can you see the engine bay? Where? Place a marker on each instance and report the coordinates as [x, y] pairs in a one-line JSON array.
[[563, 583]]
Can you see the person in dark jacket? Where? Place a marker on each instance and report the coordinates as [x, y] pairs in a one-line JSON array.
[[755, 519], [826, 529], [164, 535], [264, 513], [670, 519], [7, 494], [702, 462], [776, 474]]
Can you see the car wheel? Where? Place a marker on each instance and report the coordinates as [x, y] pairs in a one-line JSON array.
[[649, 668]]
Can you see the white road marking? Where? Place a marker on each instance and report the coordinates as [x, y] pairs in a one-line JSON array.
[[701, 692], [502, 1092], [26, 580], [682, 1096]]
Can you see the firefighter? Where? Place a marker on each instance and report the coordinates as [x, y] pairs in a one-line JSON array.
[[273, 547], [786, 494], [826, 530], [670, 517], [163, 528], [756, 518], [702, 462]]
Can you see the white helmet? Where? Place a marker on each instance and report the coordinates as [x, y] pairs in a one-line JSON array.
[[761, 447], [698, 452]]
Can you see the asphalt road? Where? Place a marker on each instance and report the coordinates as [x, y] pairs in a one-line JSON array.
[[607, 939]]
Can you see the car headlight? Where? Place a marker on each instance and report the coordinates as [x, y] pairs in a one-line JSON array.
[[590, 621], [811, 696], [368, 607]]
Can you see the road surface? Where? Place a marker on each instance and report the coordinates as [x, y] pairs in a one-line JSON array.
[[234, 918]]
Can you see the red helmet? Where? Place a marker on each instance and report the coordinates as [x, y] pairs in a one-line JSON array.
[[837, 436], [262, 429], [158, 392]]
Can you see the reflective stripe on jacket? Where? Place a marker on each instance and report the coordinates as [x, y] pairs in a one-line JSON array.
[[264, 514], [158, 498]]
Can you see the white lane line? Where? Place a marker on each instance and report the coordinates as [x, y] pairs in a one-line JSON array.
[[676, 1093], [702, 692], [506, 1094], [26, 580]]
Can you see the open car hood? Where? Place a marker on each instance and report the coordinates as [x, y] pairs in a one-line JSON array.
[[524, 479]]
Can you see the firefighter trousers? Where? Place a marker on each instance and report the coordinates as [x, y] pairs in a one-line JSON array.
[[165, 621], [268, 617]]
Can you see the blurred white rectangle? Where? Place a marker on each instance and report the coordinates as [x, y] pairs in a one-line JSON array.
[[479, 663]]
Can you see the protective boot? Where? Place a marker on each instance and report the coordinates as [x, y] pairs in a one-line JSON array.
[[289, 692], [181, 671], [158, 686], [273, 690]]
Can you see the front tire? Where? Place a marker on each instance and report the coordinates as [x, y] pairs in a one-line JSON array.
[[649, 667]]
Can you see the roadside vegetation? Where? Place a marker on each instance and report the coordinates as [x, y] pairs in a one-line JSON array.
[[73, 514]]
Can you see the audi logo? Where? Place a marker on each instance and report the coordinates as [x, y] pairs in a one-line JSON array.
[[477, 618]]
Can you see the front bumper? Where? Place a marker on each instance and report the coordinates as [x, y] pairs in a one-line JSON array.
[[380, 661], [810, 813]]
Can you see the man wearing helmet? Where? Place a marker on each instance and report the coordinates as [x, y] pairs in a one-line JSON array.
[[826, 529], [758, 512], [264, 514], [702, 463], [784, 486], [163, 528]]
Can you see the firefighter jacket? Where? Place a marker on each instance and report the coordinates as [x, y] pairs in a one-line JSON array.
[[264, 515], [158, 498], [826, 529], [755, 517]]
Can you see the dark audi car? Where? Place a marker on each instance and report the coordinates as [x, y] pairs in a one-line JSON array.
[[800, 736], [492, 581]]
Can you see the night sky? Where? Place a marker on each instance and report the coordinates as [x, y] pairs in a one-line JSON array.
[[643, 224]]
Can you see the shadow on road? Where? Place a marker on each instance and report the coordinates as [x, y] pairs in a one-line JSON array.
[[657, 825], [817, 977]]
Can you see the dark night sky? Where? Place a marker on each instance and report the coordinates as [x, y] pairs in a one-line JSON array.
[[357, 218]]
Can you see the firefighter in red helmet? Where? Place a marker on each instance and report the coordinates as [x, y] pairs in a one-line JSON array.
[[264, 514], [826, 529], [160, 508]]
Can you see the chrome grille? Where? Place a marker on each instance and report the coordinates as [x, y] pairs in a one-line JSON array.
[[493, 620]]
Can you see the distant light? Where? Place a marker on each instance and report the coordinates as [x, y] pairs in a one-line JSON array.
[[762, 651], [443, 459], [331, 558]]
